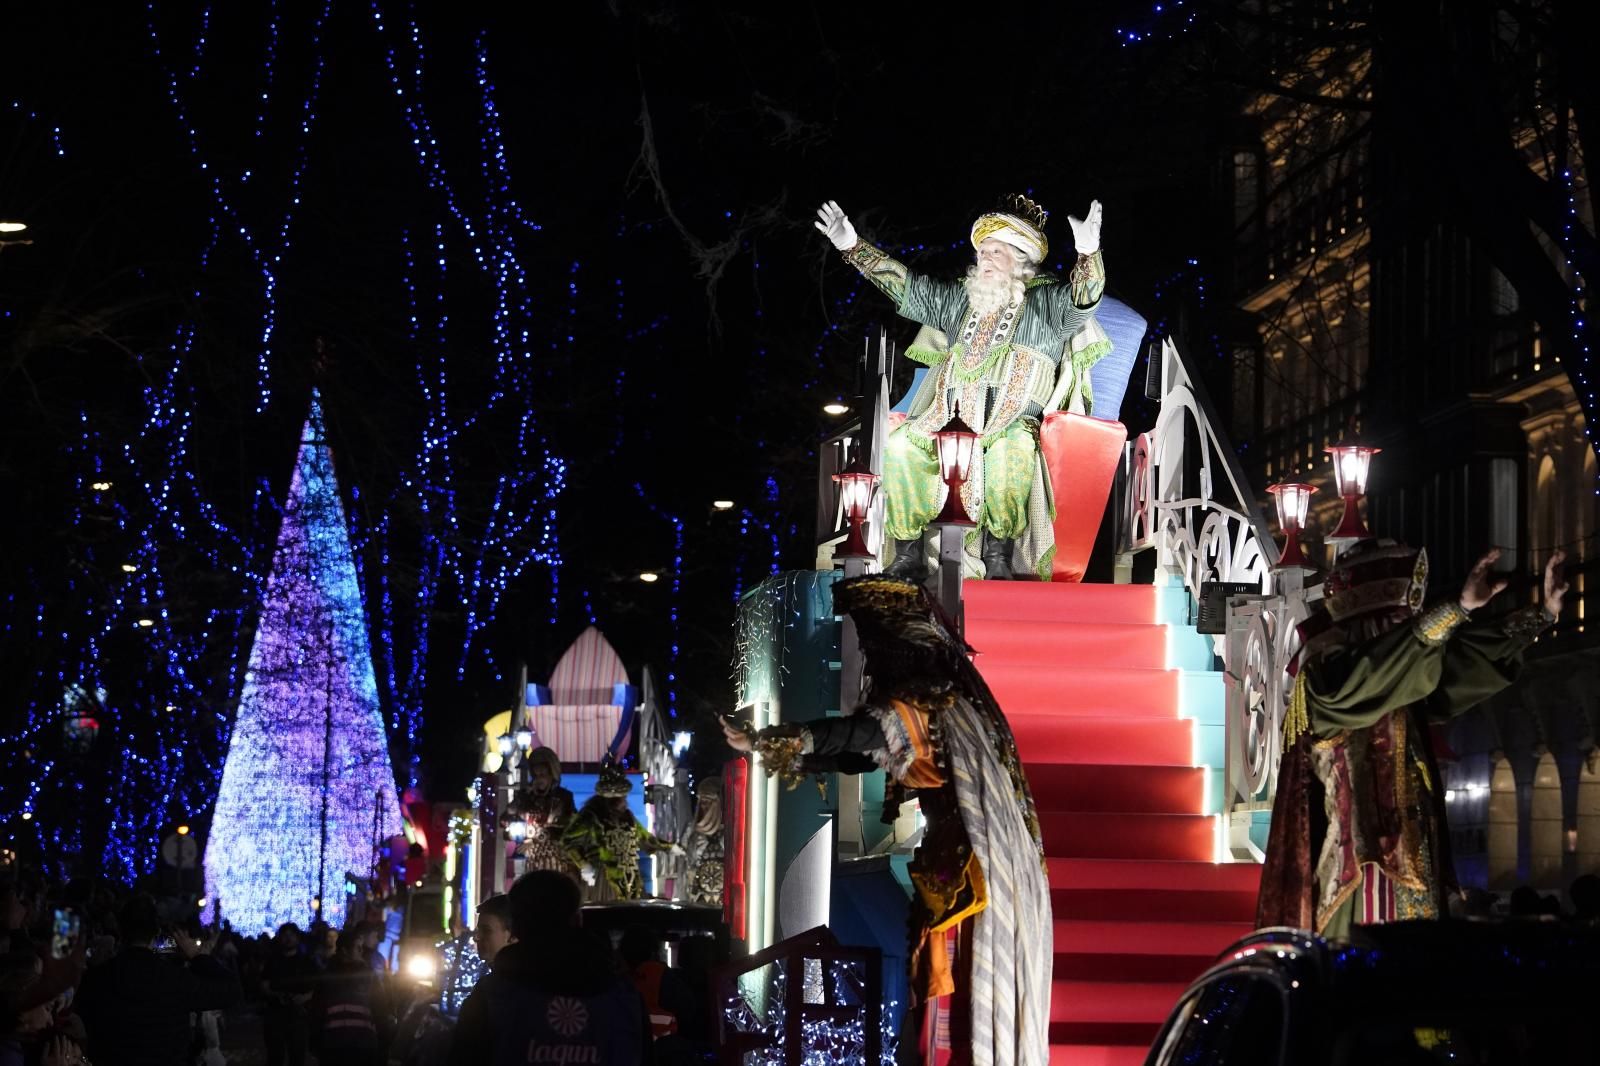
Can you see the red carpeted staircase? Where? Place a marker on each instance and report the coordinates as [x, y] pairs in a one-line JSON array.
[[1124, 755]]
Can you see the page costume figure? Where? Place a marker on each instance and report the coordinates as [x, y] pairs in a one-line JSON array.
[[545, 808], [706, 847], [1358, 824], [931, 723], [1005, 344]]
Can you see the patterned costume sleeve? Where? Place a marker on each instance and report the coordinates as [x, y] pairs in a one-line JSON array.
[[1483, 658], [916, 296], [1071, 305], [648, 840], [1440, 659], [582, 841], [843, 745], [894, 739]]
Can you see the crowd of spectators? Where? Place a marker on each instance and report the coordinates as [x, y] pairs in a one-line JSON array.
[[92, 974]]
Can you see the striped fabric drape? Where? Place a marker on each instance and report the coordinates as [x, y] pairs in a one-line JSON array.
[[1012, 940], [577, 734]]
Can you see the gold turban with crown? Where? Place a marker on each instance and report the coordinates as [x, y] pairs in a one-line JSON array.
[[1018, 222]]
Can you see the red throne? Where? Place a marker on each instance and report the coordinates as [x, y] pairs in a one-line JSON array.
[[1080, 457]]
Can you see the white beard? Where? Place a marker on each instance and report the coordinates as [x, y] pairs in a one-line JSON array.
[[988, 295]]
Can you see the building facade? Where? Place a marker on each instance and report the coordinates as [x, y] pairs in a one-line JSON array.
[[1360, 311]]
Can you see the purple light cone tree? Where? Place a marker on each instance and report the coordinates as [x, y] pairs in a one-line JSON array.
[[307, 789]]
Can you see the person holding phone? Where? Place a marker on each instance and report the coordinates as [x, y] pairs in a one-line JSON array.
[[136, 1007]]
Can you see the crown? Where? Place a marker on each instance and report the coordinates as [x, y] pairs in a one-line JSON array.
[[613, 781], [1025, 209]]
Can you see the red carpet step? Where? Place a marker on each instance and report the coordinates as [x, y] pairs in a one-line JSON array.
[[1140, 907]]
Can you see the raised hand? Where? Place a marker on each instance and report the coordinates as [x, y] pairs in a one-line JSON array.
[[738, 739], [835, 226], [1479, 589], [61, 1051], [1086, 232], [1555, 583]]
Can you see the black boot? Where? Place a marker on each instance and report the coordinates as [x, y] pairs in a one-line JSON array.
[[909, 562], [996, 557]]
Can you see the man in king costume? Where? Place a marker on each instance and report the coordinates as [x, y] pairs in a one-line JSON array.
[[978, 876], [1023, 346], [604, 839], [1358, 824]]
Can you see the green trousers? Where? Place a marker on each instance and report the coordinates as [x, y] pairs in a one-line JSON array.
[[913, 492]]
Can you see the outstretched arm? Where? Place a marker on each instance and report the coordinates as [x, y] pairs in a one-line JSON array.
[[825, 745], [916, 296], [1442, 659], [1486, 656], [1071, 304]]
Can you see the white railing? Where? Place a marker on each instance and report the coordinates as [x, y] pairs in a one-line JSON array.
[[1182, 491]]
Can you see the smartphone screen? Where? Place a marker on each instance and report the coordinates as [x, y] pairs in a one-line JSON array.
[[165, 944], [63, 931]]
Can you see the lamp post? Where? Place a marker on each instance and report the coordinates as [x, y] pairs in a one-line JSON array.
[[1294, 500], [956, 443], [1352, 463], [856, 486]]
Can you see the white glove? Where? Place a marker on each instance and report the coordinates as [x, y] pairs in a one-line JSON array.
[[1086, 234], [676, 849], [587, 874], [836, 227]]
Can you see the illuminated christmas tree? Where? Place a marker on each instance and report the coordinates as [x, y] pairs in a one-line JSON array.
[[307, 790]]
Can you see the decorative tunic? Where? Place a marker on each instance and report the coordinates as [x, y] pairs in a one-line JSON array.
[[1035, 354], [546, 816], [610, 841], [705, 850], [1358, 824]]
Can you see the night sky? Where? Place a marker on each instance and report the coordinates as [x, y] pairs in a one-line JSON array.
[[631, 297]]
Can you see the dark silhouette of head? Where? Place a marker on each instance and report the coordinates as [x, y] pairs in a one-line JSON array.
[[1525, 902], [639, 945], [542, 901], [140, 922]]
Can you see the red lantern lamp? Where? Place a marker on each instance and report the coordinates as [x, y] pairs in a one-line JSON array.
[[856, 486], [1351, 465], [1294, 500], [956, 443]]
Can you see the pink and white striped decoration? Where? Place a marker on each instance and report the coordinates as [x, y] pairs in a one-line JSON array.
[[580, 733], [588, 672]]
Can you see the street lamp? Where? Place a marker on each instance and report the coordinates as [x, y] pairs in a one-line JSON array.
[[856, 486], [505, 743], [1294, 500], [955, 442], [524, 740], [1352, 463]]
